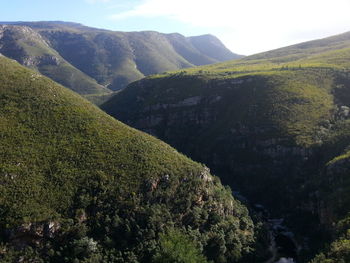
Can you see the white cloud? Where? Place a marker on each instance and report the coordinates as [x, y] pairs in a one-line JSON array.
[[252, 25]]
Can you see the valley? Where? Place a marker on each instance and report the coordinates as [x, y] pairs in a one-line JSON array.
[[273, 126], [146, 147]]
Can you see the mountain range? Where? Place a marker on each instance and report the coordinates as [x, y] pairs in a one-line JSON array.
[[94, 62]]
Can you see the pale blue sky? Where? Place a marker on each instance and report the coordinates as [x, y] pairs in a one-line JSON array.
[[245, 26]]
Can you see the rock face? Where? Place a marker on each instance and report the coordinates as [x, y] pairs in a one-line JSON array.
[[33, 233], [13, 40], [220, 124]]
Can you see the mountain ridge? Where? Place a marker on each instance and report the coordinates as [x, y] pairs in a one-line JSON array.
[[113, 59]]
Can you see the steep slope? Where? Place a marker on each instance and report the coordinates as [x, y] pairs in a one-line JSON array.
[[270, 124], [115, 59], [78, 186], [30, 49]]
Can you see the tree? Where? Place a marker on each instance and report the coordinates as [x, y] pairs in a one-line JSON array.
[[176, 247]]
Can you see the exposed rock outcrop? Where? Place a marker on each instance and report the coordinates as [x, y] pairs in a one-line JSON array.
[[33, 233]]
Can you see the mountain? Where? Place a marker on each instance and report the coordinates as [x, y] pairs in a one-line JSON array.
[[212, 46], [274, 125], [201, 50], [77, 185], [112, 59]]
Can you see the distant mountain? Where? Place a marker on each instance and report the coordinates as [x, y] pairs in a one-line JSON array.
[[201, 50], [30, 49], [78, 186], [112, 59], [275, 125], [212, 47]]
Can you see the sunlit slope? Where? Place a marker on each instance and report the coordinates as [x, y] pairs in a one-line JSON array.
[[329, 52]]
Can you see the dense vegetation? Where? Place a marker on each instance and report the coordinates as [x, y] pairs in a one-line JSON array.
[[275, 124], [78, 186]]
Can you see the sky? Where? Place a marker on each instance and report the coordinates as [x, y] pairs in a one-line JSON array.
[[244, 26]]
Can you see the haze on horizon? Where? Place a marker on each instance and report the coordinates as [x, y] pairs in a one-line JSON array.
[[244, 26]]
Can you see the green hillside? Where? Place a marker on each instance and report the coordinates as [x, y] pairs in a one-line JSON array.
[[78, 186], [270, 124], [30, 49]]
